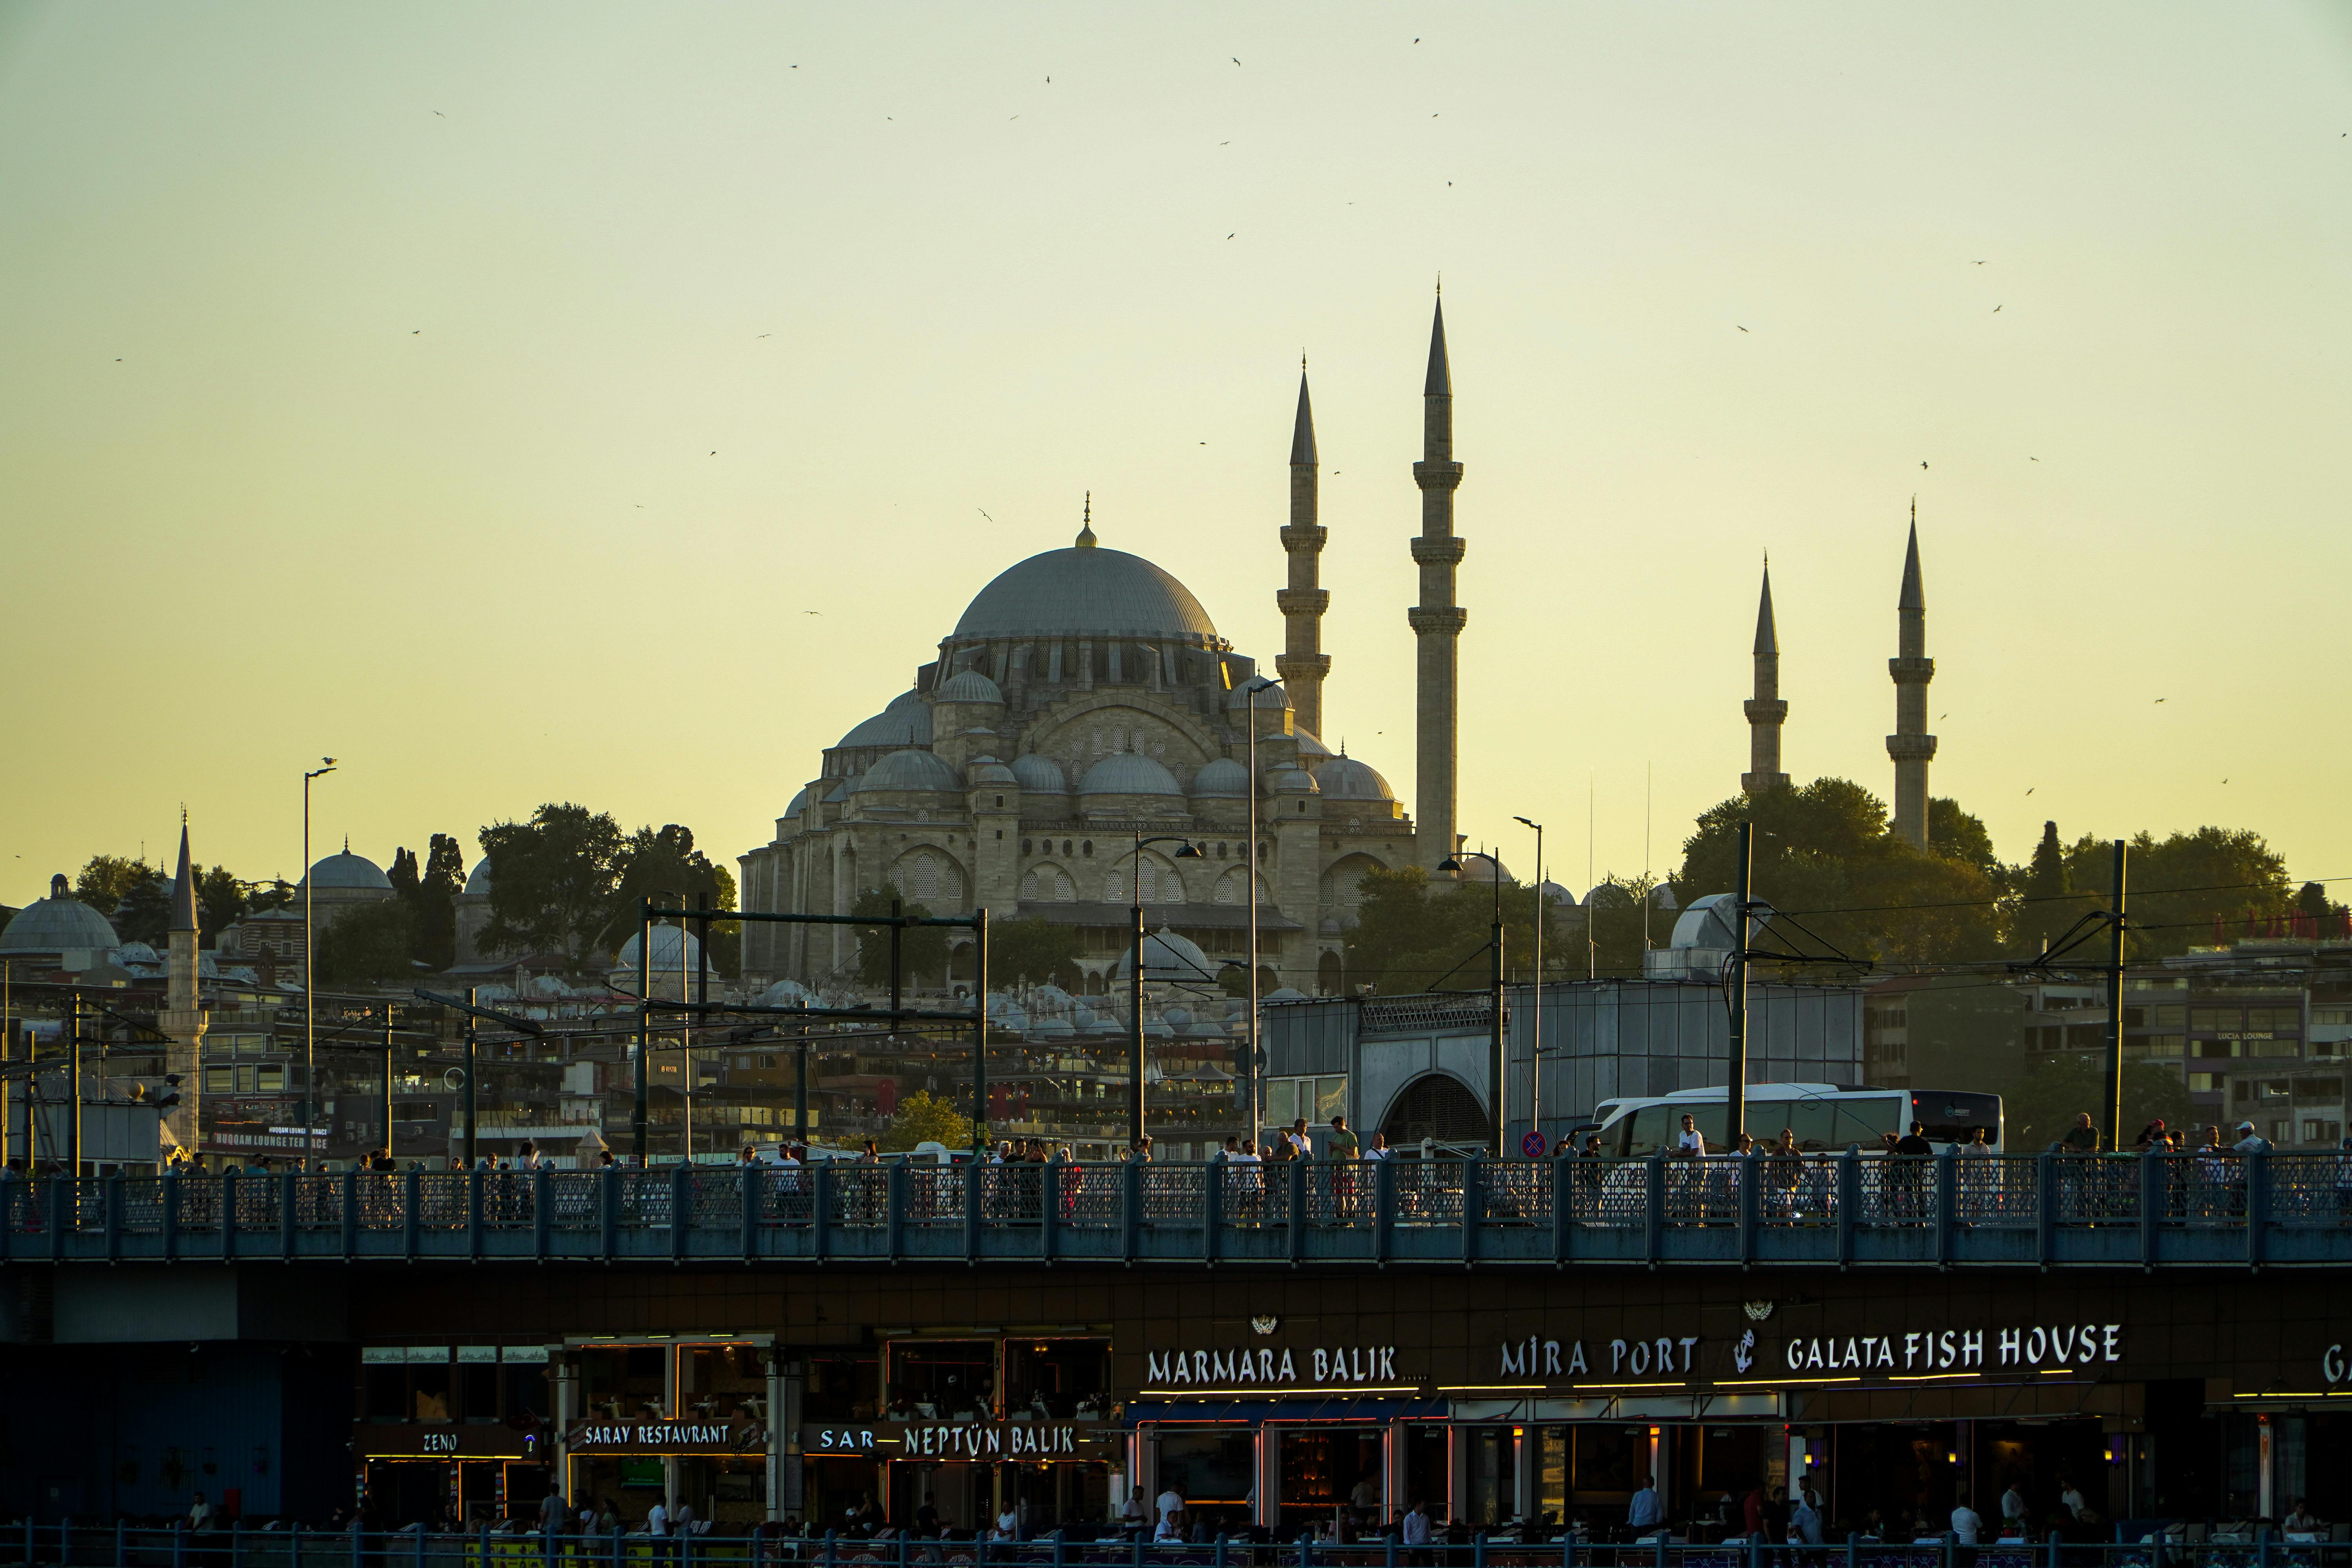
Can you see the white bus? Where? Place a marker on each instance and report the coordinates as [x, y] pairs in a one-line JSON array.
[[1825, 1117]]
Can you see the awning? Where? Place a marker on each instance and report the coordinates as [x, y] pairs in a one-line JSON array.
[[1256, 1412]]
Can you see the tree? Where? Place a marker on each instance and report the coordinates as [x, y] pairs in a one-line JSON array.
[[108, 882], [145, 912], [922, 949], [2189, 890], [401, 873], [221, 902], [1823, 855], [665, 865], [554, 890], [1412, 936], [2044, 1102], [1957, 836], [432, 895], [365, 944], [1033, 952], [921, 1118], [2047, 906]]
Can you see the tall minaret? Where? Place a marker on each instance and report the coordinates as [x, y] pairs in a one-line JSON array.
[[1766, 711], [1303, 663], [1911, 745], [183, 1017], [1437, 620]]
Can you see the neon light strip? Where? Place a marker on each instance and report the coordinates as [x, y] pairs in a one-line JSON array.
[[1491, 1387], [2296, 1394], [1932, 1376], [1782, 1382]]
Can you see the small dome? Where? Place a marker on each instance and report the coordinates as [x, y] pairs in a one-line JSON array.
[[969, 686], [1291, 780], [136, 953], [1479, 869], [1345, 778], [665, 959], [1128, 772], [1223, 779], [1271, 697], [1310, 749], [800, 804], [908, 771], [1167, 957], [477, 880], [906, 722], [1039, 776], [787, 994], [1561, 896], [1707, 922], [1286, 994], [989, 770], [349, 870], [1610, 896]]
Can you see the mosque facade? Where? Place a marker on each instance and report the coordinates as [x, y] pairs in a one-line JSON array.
[[1085, 701]]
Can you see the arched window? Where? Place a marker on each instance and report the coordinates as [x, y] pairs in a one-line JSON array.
[[1029, 888], [1024, 846], [1146, 883], [1085, 848], [1114, 888]]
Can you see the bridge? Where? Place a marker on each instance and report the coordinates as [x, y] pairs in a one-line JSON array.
[[1846, 1210]]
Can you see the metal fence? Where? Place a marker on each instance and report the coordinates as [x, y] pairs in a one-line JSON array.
[[1850, 1208]]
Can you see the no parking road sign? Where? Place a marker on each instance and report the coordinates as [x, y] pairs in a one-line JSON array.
[[1533, 1145]]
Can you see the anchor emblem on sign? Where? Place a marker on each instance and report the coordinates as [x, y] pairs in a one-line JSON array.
[[1744, 1357]]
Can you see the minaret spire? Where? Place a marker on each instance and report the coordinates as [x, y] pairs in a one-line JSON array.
[[1302, 664], [1437, 620], [1766, 711], [1911, 746], [181, 1020]]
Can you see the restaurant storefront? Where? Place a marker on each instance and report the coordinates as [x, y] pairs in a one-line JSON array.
[[1279, 1403]]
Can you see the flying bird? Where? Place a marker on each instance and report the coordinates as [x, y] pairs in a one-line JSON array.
[[2159, 699], [2029, 792], [765, 335], [983, 511], [2033, 459], [1743, 329], [1235, 59], [1976, 264], [1229, 236], [1996, 309], [442, 116], [812, 611], [714, 451], [1923, 464]]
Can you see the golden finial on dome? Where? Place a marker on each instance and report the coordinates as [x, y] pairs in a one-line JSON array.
[[1086, 524]]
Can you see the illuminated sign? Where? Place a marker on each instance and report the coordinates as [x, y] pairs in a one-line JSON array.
[[665, 1438], [953, 1440], [1335, 1366]]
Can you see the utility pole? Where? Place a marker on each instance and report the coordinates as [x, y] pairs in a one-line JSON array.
[[7, 1050], [1736, 1082], [309, 963], [645, 1031], [472, 1071], [979, 1032], [1135, 1019], [387, 1084], [2116, 1007], [1535, 1053], [73, 1078]]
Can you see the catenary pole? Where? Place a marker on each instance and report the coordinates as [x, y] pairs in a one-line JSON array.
[[1736, 1069], [2116, 1006]]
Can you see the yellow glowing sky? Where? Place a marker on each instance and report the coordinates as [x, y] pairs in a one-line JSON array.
[[482, 394]]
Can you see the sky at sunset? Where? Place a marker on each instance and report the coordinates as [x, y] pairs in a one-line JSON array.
[[616, 403]]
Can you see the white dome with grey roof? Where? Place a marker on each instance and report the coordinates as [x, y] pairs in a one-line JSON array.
[[1345, 778], [969, 686], [477, 880], [1221, 779], [1086, 591], [987, 770], [908, 769], [906, 722], [349, 870], [1171, 959], [1291, 780], [1128, 772], [59, 923], [1039, 776]]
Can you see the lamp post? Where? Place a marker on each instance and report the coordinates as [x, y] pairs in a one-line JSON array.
[[1254, 1078], [1185, 851], [1494, 1032], [310, 968], [1535, 1056]]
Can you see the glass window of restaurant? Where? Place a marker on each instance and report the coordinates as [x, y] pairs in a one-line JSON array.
[[1008, 1393], [721, 1388], [842, 1391], [1329, 1472]]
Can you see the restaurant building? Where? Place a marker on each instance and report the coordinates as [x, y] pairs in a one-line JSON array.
[[1265, 1396]]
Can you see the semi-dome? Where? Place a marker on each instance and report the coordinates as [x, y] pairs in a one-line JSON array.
[[1128, 772], [1272, 698], [800, 804], [1086, 591], [1291, 780], [666, 950], [477, 880], [1310, 748], [1039, 776], [1223, 779], [906, 722], [987, 770], [1345, 778], [1169, 958], [349, 870], [909, 770], [969, 686], [59, 923]]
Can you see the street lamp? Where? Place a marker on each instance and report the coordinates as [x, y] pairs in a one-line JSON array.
[[1494, 1035], [1254, 1079], [1185, 851], [310, 968], [1535, 1056]]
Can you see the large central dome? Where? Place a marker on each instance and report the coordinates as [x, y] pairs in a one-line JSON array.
[[1086, 591]]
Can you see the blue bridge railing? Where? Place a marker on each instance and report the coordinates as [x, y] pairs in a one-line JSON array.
[[2049, 1210]]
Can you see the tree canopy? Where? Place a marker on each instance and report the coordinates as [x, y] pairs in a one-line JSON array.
[[2045, 1101], [366, 943], [1411, 935], [922, 949], [1033, 952], [569, 880], [921, 1118], [1822, 854]]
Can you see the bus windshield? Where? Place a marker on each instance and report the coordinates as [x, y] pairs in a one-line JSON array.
[[1954, 1117]]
